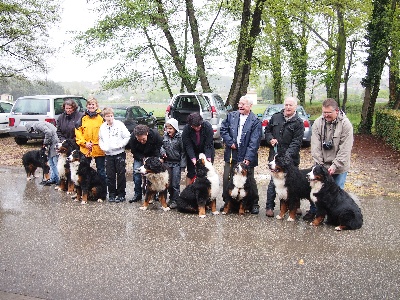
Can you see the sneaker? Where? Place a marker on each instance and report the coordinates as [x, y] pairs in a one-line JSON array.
[[111, 199], [269, 213], [44, 182], [255, 210], [172, 205], [48, 183], [120, 199], [136, 199], [309, 216], [299, 212]]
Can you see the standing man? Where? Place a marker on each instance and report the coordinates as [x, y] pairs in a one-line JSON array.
[[331, 144], [241, 132], [144, 142], [284, 134]]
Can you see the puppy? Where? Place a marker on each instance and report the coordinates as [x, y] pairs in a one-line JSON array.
[[64, 150], [157, 177], [239, 191], [333, 202], [202, 192], [36, 159], [291, 185], [88, 183]]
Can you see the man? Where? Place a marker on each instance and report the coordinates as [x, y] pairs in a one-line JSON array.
[[144, 142], [331, 144], [241, 132], [284, 134]]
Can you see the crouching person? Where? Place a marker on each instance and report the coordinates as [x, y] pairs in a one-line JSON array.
[[113, 137], [173, 155]]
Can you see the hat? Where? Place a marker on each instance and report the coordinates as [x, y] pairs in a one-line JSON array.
[[173, 122], [28, 126]]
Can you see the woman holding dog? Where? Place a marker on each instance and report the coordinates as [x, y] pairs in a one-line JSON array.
[[67, 120], [197, 137], [87, 136]]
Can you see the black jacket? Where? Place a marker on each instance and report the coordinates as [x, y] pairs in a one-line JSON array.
[[206, 145], [288, 133], [151, 148]]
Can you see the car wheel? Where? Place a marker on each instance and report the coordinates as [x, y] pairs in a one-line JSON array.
[[218, 144], [306, 144], [21, 141]]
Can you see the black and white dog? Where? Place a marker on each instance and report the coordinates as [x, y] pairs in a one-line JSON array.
[[331, 201], [202, 192], [36, 159], [291, 185], [64, 149], [240, 197]]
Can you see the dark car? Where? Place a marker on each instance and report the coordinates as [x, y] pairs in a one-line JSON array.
[[134, 115], [270, 110]]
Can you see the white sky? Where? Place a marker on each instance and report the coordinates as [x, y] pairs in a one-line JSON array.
[[65, 66]]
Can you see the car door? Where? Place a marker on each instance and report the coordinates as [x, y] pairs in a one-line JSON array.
[[5, 108]]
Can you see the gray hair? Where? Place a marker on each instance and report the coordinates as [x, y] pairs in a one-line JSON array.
[[294, 99], [247, 98]]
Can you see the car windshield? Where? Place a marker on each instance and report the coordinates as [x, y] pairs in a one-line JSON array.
[[31, 106], [5, 107], [273, 109], [136, 112], [119, 113]]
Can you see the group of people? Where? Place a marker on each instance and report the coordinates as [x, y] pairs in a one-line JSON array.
[[102, 138]]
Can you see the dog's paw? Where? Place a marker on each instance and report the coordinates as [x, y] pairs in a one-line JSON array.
[[338, 228], [202, 216], [224, 213], [28, 179], [69, 193], [84, 202], [74, 196], [143, 207], [278, 217], [99, 200], [215, 212], [166, 208], [289, 219]]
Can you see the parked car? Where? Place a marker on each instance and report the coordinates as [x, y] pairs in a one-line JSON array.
[[134, 115], [37, 108], [182, 105], [270, 110], [5, 108], [219, 112]]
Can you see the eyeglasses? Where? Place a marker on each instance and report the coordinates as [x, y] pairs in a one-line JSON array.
[[328, 112]]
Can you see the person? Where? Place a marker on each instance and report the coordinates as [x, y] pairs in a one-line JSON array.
[[284, 134], [67, 121], [113, 137], [197, 137], [174, 156], [144, 142], [331, 145], [50, 142], [241, 133], [87, 136]]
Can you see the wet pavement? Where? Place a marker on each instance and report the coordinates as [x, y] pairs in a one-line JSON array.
[[54, 248]]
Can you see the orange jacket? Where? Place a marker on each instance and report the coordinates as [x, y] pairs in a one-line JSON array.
[[87, 130]]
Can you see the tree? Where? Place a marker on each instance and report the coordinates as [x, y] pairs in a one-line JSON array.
[[378, 35], [394, 58], [24, 27]]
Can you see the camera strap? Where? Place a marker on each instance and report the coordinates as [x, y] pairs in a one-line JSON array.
[[333, 133]]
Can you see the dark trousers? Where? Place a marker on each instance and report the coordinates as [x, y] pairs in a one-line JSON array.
[[116, 178], [228, 173], [271, 195], [174, 172]]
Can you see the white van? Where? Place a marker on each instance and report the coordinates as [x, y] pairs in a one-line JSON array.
[[37, 108]]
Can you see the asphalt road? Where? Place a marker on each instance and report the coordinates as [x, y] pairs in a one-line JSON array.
[[53, 248]]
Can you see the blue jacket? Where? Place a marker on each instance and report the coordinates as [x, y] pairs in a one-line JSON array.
[[249, 141]]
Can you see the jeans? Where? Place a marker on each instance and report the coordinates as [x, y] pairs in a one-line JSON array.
[[340, 179], [116, 179], [174, 172], [228, 173], [53, 169], [137, 178]]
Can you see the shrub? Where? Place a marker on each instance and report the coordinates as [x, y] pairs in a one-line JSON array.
[[387, 125]]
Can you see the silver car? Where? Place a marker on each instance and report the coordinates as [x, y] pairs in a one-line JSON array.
[[5, 108], [219, 112], [270, 110]]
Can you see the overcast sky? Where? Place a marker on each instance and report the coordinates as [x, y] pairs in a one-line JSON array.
[[65, 66]]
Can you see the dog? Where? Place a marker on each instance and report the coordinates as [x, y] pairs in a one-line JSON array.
[[157, 179], [202, 192], [240, 198], [64, 150], [36, 159], [291, 185], [88, 183], [339, 207]]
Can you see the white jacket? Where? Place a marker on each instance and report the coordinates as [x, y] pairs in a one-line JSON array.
[[113, 139]]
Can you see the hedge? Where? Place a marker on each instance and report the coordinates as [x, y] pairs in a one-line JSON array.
[[387, 126]]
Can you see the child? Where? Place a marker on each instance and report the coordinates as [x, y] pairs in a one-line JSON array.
[[173, 154], [113, 137]]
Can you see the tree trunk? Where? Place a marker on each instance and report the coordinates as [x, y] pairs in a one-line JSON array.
[[340, 57], [248, 36], [347, 74], [277, 70]]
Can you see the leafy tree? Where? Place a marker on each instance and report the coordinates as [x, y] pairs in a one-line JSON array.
[[24, 27], [394, 58]]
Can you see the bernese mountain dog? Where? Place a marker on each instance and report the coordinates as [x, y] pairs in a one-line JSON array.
[[36, 159], [88, 183], [157, 177], [64, 150], [202, 192], [291, 185], [331, 201], [240, 198]]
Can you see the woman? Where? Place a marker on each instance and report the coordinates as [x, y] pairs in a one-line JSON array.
[[67, 120], [87, 136], [197, 137]]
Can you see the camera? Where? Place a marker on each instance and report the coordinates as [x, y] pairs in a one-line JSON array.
[[327, 145]]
